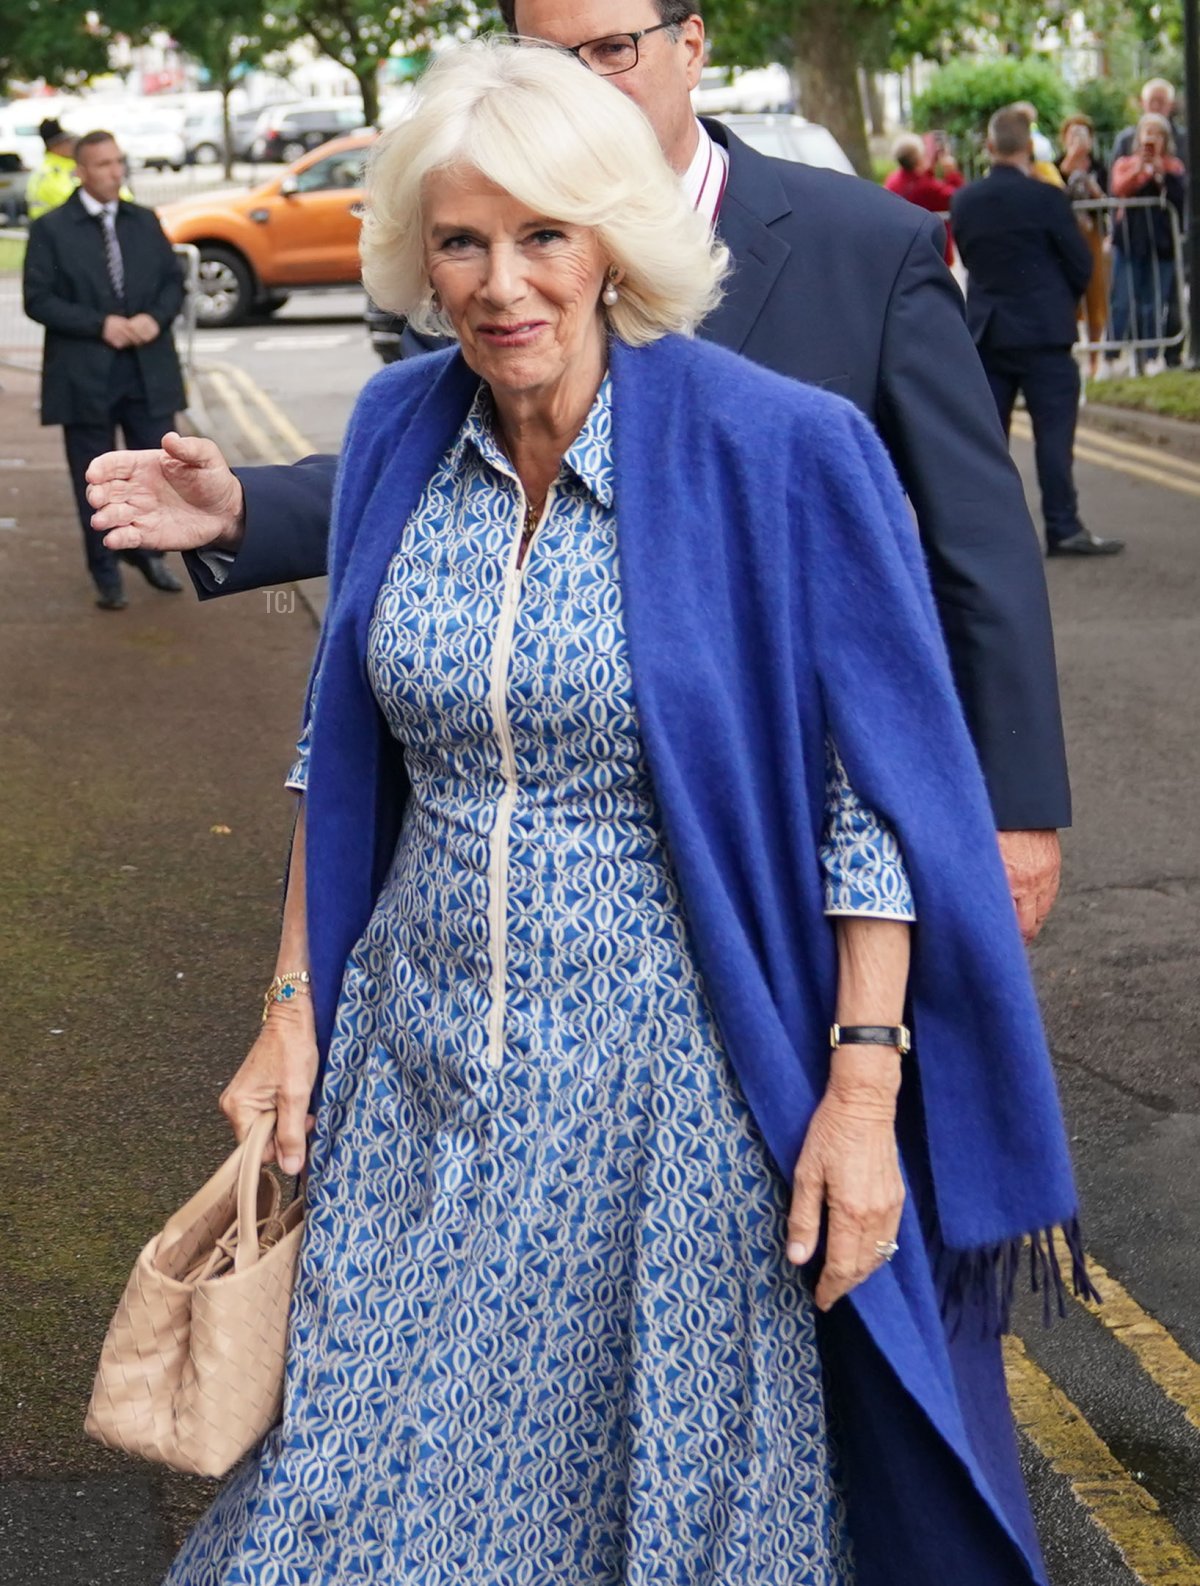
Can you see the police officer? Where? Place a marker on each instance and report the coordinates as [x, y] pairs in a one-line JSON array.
[[56, 177]]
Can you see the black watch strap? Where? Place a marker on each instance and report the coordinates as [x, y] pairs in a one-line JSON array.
[[896, 1035]]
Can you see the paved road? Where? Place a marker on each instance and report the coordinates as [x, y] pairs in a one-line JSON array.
[[1109, 1404]]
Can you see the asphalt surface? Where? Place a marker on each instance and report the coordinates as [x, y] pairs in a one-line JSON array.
[[124, 740]]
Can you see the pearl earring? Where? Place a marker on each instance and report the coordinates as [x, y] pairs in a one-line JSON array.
[[435, 302], [610, 297]]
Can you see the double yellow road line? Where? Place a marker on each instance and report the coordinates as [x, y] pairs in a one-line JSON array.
[[1137, 461], [1122, 1508], [263, 423]]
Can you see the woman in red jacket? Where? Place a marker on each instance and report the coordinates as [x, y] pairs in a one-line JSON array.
[[924, 181]]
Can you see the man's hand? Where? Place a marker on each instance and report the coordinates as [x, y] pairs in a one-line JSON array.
[[145, 329], [1033, 862], [180, 498], [118, 332]]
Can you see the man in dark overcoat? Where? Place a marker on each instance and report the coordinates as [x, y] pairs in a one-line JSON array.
[[101, 277]]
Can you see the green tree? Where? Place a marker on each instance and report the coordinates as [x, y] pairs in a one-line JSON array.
[[226, 37], [361, 34], [58, 40], [962, 97]]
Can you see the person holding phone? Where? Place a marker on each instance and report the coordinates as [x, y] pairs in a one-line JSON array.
[[1086, 178], [927, 175], [1144, 238]]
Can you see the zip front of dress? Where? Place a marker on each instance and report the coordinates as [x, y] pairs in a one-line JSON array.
[[502, 653]]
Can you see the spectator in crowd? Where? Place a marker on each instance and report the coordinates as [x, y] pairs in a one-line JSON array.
[[1042, 165], [1157, 99], [56, 177], [101, 277], [930, 184], [1086, 177], [1145, 237], [1029, 265]]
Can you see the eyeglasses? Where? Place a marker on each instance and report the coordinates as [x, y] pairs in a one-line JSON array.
[[609, 57]]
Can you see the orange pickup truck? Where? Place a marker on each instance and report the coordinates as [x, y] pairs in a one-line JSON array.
[[299, 229]]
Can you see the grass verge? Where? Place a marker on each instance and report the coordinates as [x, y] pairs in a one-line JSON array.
[[1174, 394], [12, 254]]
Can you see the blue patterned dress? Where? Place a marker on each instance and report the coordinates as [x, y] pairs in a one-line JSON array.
[[544, 1332]]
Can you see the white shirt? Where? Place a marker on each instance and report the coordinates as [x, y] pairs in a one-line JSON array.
[[95, 207], [705, 178]]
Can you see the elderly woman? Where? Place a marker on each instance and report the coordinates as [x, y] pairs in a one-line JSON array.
[[630, 756], [922, 180], [1144, 237]]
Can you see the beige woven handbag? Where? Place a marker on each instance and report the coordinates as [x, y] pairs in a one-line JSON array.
[[191, 1373]]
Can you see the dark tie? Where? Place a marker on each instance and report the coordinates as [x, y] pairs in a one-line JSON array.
[[112, 253]]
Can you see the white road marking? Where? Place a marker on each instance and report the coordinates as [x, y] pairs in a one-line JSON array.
[[207, 343], [301, 343]]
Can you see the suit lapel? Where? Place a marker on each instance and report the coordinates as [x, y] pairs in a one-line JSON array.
[[754, 198]]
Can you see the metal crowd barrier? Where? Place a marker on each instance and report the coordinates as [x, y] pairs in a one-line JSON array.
[[1144, 296], [21, 338], [1130, 293]]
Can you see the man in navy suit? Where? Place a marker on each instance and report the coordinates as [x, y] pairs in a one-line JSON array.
[[835, 283], [1029, 265]]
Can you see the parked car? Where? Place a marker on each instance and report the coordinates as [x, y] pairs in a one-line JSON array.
[[204, 138], [149, 141], [384, 330], [791, 138], [13, 180], [751, 91], [285, 132], [298, 230]]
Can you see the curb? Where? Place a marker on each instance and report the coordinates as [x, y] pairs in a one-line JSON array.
[[1172, 434]]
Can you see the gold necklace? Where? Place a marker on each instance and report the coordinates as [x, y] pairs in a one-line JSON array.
[[532, 517]]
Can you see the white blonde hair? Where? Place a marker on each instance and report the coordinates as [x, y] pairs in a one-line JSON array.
[[571, 147], [1155, 123]]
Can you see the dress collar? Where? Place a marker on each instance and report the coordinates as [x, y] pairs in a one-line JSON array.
[[589, 456]]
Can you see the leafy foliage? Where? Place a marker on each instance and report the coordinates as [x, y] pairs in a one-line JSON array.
[[59, 40], [1110, 104], [962, 96], [360, 34]]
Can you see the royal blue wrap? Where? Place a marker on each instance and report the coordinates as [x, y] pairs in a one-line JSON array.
[[775, 592]]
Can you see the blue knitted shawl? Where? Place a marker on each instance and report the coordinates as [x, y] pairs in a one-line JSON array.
[[774, 590]]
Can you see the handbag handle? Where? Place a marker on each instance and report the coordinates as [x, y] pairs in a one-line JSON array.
[[246, 1252]]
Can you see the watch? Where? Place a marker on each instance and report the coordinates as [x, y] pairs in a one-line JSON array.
[[897, 1035]]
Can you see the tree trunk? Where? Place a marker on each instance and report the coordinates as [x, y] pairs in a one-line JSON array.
[[368, 82], [226, 128], [874, 99], [827, 73]]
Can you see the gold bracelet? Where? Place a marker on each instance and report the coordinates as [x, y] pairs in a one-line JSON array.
[[284, 987]]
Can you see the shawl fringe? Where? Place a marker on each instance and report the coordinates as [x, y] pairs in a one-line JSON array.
[[983, 1282]]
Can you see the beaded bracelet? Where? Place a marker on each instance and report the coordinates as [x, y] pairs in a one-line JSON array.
[[284, 987]]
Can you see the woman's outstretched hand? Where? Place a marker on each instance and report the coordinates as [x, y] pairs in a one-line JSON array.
[[279, 1074], [180, 497], [849, 1165]]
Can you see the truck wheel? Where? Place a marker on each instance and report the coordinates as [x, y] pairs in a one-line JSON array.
[[225, 290]]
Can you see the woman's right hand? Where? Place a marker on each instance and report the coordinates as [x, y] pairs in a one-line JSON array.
[[278, 1076]]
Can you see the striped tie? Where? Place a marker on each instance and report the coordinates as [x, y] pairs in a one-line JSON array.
[[112, 253]]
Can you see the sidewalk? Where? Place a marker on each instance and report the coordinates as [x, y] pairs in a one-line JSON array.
[[141, 762]]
